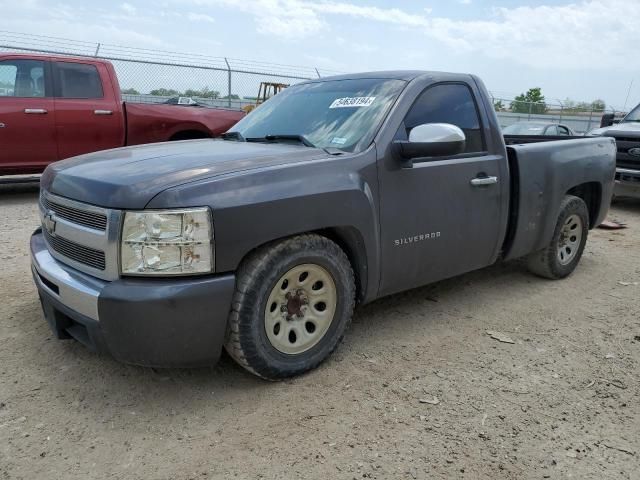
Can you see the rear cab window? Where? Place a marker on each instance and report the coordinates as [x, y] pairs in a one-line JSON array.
[[77, 80], [22, 78]]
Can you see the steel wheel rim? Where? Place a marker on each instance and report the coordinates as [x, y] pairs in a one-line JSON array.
[[570, 238], [300, 308]]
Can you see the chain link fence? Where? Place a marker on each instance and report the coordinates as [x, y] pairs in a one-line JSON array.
[[581, 118], [153, 76]]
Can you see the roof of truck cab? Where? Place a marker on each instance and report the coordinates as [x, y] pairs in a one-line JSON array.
[[54, 57], [405, 75]]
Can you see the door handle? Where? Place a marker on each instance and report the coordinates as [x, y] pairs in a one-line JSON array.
[[480, 181], [102, 112], [36, 111]]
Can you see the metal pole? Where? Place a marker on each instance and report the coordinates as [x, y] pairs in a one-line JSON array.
[[590, 116], [228, 82], [530, 107], [318, 73], [97, 50], [628, 93]]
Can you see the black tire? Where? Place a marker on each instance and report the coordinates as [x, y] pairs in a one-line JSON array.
[[546, 262], [247, 341]]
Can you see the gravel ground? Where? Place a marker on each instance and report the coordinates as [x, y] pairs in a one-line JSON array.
[[417, 390]]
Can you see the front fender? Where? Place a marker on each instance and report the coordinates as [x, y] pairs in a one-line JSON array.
[[254, 208]]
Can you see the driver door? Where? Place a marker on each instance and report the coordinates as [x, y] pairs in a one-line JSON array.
[[434, 222]]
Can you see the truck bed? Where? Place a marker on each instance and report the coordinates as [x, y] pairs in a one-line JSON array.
[[545, 168]]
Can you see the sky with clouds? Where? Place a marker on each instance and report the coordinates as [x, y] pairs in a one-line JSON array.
[[584, 49]]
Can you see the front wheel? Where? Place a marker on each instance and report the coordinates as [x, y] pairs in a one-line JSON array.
[[293, 302], [560, 258]]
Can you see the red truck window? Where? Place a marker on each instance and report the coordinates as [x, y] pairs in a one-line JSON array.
[[22, 78], [77, 80]]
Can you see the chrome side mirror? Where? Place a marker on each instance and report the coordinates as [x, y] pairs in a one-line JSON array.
[[431, 140]]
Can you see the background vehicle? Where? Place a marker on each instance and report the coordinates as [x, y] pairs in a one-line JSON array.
[[58, 107], [538, 128], [265, 92], [627, 135], [335, 191]]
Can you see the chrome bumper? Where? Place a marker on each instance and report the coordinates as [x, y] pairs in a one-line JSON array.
[[74, 289], [627, 183]]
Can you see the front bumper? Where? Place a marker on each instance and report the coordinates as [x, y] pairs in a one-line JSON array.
[[627, 183], [177, 322]]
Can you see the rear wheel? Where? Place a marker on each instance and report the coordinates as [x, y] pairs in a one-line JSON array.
[[560, 258], [293, 301]]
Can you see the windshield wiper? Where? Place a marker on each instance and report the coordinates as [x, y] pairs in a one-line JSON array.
[[300, 138], [269, 138], [233, 136]]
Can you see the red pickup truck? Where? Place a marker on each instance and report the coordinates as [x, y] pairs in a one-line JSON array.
[[55, 107]]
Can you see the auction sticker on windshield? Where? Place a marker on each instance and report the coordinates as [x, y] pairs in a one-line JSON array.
[[352, 102]]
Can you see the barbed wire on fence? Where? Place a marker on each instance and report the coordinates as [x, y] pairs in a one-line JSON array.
[[154, 76]]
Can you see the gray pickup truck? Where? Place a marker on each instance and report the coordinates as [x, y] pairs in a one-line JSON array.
[[333, 193], [627, 135]]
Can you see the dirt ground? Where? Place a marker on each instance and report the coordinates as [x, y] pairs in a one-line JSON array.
[[417, 390]]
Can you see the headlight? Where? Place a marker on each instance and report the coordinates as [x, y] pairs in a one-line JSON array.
[[169, 242]]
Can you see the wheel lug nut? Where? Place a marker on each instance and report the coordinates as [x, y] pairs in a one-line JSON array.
[[283, 308]]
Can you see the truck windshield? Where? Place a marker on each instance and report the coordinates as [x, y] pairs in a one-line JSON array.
[[341, 114], [633, 115]]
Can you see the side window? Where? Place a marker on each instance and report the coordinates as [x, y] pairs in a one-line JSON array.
[[563, 130], [551, 130], [448, 103], [22, 78], [77, 80]]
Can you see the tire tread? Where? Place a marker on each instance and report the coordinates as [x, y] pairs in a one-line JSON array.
[[250, 275]]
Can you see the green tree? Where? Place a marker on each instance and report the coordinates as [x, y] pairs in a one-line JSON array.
[[530, 102], [233, 96], [572, 106], [498, 106], [204, 93], [598, 105], [130, 91], [164, 92]]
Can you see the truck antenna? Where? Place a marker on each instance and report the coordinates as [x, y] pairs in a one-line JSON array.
[[628, 93]]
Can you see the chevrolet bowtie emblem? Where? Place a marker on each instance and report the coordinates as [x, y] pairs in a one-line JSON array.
[[49, 223]]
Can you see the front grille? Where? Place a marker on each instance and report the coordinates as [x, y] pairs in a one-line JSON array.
[[86, 218], [624, 159], [78, 253]]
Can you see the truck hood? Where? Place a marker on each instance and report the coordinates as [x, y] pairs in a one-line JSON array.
[[629, 129], [130, 177]]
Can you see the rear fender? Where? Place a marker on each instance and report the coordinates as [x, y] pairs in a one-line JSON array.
[[543, 173]]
